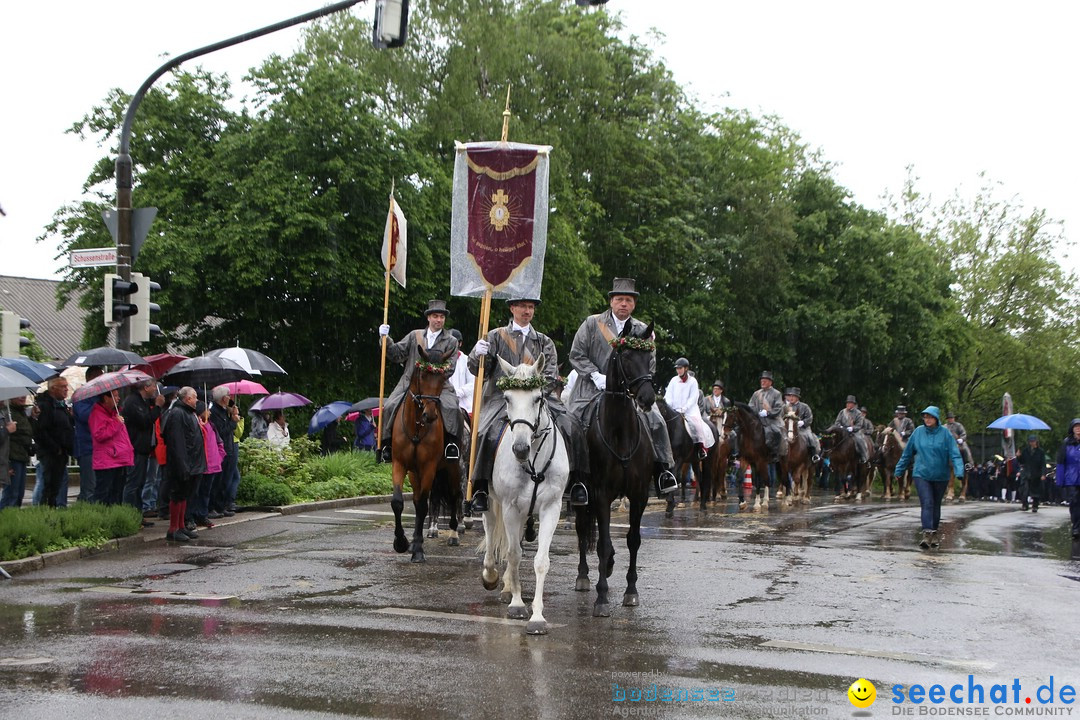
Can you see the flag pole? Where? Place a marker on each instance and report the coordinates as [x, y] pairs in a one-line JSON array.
[[485, 317], [385, 319]]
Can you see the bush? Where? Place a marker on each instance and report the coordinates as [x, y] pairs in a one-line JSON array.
[[273, 493], [34, 530], [267, 474]]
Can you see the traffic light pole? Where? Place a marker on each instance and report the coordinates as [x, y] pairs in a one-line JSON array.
[[123, 160]]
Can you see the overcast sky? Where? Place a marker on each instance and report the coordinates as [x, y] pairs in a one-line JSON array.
[[953, 88]]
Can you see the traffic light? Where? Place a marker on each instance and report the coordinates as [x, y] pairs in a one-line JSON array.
[[391, 22], [117, 294], [141, 328], [11, 338]]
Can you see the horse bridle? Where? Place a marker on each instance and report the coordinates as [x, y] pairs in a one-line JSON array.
[[420, 426], [629, 393], [530, 464]]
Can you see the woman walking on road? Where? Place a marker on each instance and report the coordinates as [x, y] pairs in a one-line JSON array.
[[929, 453], [1067, 474]]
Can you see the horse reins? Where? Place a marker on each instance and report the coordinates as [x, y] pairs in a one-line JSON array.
[[629, 394]]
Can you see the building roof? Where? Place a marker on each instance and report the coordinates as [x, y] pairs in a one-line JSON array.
[[60, 332]]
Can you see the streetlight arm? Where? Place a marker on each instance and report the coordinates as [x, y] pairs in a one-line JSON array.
[[129, 118]]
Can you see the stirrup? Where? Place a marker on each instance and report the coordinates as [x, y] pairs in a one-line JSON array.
[[479, 502], [702, 453], [383, 455], [451, 452], [579, 494], [815, 459], [666, 483]]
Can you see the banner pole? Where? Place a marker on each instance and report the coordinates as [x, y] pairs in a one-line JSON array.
[[478, 391], [385, 318]]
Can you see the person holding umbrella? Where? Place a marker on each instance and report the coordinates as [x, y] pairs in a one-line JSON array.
[[84, 444], [113, 453], [185, 458], [1067, 474], [278, 434], [19, 454], [1032, 473], [55, 438], [930, 452]]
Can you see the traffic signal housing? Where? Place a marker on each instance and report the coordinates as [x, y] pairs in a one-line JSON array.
[[141, 328], [11, 339], [118, 304], [391, 23]]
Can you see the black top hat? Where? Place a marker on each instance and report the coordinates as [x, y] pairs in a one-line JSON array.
[[901, 408], [793, 391], [863, 409], [622, 286], [718, 383], [950, 414], [850, 399], [765, 375], [517, 299], [436, 306]]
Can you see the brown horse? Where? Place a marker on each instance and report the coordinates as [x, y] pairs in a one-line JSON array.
[[684, 452], [720, 453], [892, 447], [851, 475], [417, 449], [754, 453], [797, 464]]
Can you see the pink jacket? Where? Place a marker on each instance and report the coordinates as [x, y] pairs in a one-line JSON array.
[[112, 446], [215, 449]]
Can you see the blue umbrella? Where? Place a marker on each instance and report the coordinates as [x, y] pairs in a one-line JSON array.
[[1018, 421], [38, 372], [327, 414]]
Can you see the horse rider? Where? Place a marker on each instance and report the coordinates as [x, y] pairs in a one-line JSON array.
[[852, 420], [519, 342], [901, 423], [682, 396], [793, 397], [589, 355], [768, 404], [406, 352], [717, 403], [960, 433], [867, 427]]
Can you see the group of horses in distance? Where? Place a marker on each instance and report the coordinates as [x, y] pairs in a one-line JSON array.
[[532, 466]]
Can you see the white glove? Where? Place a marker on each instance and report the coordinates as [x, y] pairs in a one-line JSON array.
[[481, 347], [960, 441], [762, 413], [802, 423], [599, 380], [850, 429], [384, 330]]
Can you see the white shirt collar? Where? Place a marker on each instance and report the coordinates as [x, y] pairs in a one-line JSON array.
[[514, 327], [432, 337], [619, 324]]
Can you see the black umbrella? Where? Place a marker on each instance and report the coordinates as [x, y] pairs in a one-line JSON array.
[[251, 360], [204, 370], [103, 356], [366, 404]]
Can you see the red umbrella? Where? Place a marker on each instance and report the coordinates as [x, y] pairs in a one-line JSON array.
[[108, 382], [158, 365]]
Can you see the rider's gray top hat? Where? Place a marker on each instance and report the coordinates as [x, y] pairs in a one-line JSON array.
[[517, 298], [901, 408], [850, 399], [622, 286], [793, 391], [436, 306], [765, 375], [718, 383]]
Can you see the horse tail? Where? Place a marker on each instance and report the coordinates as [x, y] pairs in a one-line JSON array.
[[496, 536]]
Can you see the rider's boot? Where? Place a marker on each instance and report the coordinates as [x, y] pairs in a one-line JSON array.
[[665, 480], [383, 455], [480, 497]]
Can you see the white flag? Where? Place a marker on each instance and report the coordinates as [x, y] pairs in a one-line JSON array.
[[394, 243]]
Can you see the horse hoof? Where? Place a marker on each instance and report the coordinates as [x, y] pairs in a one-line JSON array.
[[468, 523], [453, 541], [506, 596], [536, 627], [601, 610], [630, 600], [961, 499], [489, 584], [517, 612], [418, 557], [400, 544], [580, 585]]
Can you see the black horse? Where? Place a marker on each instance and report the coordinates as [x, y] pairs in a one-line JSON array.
[[685, 452], [621, 461]]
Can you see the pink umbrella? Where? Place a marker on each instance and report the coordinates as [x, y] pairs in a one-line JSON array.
[[245, 387]]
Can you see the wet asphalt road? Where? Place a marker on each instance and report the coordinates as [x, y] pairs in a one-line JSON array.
[[314, 615]]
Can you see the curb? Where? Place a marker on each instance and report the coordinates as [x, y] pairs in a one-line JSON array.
[[146, 535]]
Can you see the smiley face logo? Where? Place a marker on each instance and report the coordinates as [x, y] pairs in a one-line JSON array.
[[862, 693]]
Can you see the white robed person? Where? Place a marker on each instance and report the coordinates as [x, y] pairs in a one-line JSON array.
[[682, 396]]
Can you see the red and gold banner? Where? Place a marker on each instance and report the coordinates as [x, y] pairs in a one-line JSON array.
[[499, 228]]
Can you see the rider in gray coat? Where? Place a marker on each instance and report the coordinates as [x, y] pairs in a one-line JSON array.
[[589, 355], [437, 342], [851, 420], [768, 404], [793, 397]]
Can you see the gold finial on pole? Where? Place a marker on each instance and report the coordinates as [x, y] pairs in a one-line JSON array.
[[506, 116]]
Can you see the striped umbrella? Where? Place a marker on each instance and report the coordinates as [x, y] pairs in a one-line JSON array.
[[108, 382]]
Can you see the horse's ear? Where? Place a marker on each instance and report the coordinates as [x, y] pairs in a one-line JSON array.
[[423, 352], [626, 330], [507, 368], [538, 366], [648, 331]]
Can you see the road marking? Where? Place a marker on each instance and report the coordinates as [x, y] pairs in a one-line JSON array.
[[681, 528], [139, 592], [410, 612], [22, 662], [907, 657]]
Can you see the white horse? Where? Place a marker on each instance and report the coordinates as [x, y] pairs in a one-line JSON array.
[[529, 475]]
